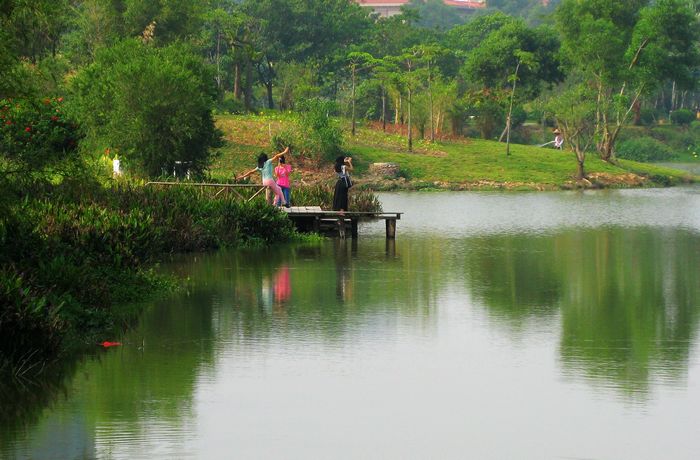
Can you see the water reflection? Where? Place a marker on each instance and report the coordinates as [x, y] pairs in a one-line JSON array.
[[628, 299], [499, 325]]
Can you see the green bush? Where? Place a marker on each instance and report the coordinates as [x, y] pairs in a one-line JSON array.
[[321, 134], [644, 149], [151, 105], [35, 134], [676, 139], [315, 133], [647, 117], [682, 117], [229, 104]]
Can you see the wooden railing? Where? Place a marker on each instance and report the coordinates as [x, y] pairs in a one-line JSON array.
[[228, 188]]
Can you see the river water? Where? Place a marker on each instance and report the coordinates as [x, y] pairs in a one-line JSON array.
[[496, 326]]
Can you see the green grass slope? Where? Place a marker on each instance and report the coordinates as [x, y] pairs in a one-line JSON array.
[[463, 164]]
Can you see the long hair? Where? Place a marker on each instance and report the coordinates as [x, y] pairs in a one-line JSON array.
[[262, 158], [282, 160], [339, 161]]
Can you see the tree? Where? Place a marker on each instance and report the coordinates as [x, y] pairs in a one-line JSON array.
[[574, 108], [357, 62], [625, 50], [525, 59], [152, 105], [507, 53], [34, 27], [319, 31], [491, 62], [429, 55], [405, 71], [94, 24], [434, 14]]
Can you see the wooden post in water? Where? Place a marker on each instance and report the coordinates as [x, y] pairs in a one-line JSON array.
[[341, 227], [391, 228], [353, 228]]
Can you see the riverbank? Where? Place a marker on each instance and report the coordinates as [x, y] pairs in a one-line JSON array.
[[457, 164]]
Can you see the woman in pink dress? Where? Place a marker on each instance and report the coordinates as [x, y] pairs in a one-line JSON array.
[[282, 172]]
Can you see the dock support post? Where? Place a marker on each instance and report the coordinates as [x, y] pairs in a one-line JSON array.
[[341, 228], [391, 228], [353, 228]]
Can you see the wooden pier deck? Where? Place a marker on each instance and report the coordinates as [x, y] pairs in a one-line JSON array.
[[313, 218], [305, 218]]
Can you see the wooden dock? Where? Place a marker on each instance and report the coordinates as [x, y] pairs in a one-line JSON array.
[[313, 218], [305, 218]]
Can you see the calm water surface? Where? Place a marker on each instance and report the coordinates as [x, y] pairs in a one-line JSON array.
[[496, 326]]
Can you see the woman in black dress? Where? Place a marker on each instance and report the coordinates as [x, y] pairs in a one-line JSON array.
[[343, 166]]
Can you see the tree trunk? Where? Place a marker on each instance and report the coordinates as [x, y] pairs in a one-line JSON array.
[[268, 84], [218, 62], [270, 101], [510, 109], [430, 96], [580, 171], [383, 109], [410, 132], [237, 81], [248, 94], [353, 101]]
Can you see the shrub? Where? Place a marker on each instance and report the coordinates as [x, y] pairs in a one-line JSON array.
[[647, 117], [153, 105], [315, 133], [229, 104], [321, 134], [676, 139], [35, 134], [67, 254], [644, 149], [682, 117]]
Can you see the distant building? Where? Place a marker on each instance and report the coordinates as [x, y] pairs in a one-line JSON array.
[[389, 8]]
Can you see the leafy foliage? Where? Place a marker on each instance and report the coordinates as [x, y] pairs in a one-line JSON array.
[[68, 254], [316, 134], [152, 105], [682, 117], [645, 149], [35, 134]]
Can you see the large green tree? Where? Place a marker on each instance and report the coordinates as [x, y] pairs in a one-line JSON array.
[[318, 32], [625, 50]]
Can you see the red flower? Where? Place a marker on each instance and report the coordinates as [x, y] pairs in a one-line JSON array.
[[8, 122], [54, 118], [28, 129], [60, 99]]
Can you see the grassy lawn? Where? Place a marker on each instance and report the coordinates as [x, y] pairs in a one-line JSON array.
[[470, 162]]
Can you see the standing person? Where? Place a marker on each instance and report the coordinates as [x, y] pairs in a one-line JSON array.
[[558, 139], [343, 166], [265, 167], [283, 171]]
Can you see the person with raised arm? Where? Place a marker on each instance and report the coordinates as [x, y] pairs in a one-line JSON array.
[[265, 167], [343, 166]]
